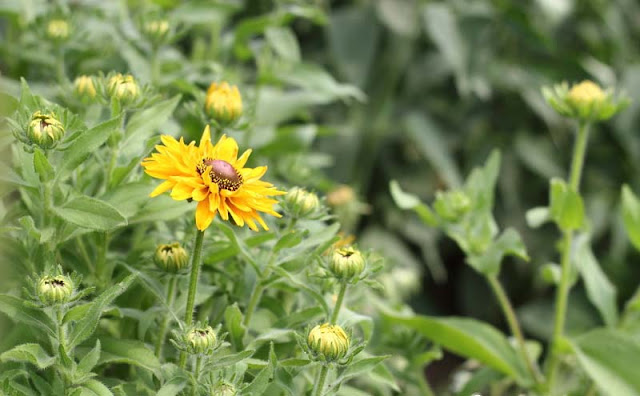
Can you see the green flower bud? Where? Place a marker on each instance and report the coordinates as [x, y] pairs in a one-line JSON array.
[[585, 101], [44, 129], [84, 87], [171, 257], [156, 30], [123, 87], [58, 30], [223, 103], [201, 339], [329, 341], [301, 202], [452, 205], [224, 388], [346, 263], [53, 290]]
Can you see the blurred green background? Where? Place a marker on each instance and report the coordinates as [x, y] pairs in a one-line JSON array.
[[434, 86]]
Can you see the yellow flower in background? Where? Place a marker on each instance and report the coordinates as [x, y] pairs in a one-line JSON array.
[[58, 29], [223, 103], [215, 177]]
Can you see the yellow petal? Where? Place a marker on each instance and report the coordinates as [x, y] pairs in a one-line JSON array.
[[164, 186], [204, 216], [206, 136], [181, 191]]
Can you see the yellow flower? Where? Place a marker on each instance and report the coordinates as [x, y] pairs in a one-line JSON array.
[[215, 177], [123, 87], [223, 103], [328, 340], [58, 29], [84, 86]]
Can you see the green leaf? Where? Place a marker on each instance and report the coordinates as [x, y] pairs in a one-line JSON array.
[[229, 360], [263, 379], [509, 243], [85, 326], [97, 387], [600, 291], [30, 353], [42, 166], [81, 148], [611, 359], [566, 206], [472, 339], [144, 123], [172, 387], [284, 43], [132, 352], [15, 308], [289, 240], [429, 140], [537, 216], [233, 322], [90, 360], [481, 183], [358, 367], [631, 215], [408, 201], [91, 213]]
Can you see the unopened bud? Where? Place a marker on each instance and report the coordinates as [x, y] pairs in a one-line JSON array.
[[156, 30], [302, 203], [328, 341], [201, 339], [171, 257], [53, 290], [58, 29], [346, 263], [45, 129], [224, 388], [84, 87], [123, 87], [223, 103]]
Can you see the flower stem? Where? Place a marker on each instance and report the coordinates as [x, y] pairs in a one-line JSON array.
[[320, 384], [165, 321], [256, 293], [193, 285], [336, 309], [512, 320], [196, 375], [562, 295]]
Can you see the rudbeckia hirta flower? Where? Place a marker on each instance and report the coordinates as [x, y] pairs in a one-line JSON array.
[[215, 177]]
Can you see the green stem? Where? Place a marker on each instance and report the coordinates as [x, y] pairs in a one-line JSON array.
[[256, 294], [336, 309], [167, 318], [196, 375], [193, 285], [63, 345], [101, 262], [562, 296], [423, 384], [60, 73], [155, 65], [320, 384], [512, 320]]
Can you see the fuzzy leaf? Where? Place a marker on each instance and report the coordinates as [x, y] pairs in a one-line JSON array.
[[90, 213], [30, 353], [567, 208], [16, 309], [631, 215], [132, 352]]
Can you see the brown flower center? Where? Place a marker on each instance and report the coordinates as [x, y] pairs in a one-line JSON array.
[[222, 173], [54, 282]]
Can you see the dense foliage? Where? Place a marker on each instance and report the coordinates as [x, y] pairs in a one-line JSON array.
[[311, 264]]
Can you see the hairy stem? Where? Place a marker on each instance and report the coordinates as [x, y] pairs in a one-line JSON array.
[[512, 320], [562, 295], [167, 318], [256, 294], [196, 375], [336, 309], [193, 285], [319, 388]]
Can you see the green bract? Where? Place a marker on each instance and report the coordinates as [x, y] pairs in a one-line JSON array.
[[585, 101]]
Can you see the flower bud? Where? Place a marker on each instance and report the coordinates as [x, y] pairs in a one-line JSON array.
[[123, 87], [341, 196], [156, 30], [224, 388], [54, 290], [452, 205], [58, 29], [84, 87], [346, 263], [301, 202], [585, 101], [223, 103], [329, 341], [586, 93], [201, 339], [44, 129], [171, 257]]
